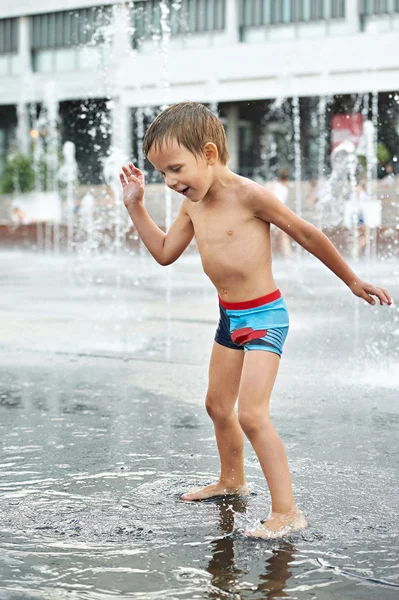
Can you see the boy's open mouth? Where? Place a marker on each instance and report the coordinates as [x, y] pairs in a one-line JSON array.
[[184, 192]]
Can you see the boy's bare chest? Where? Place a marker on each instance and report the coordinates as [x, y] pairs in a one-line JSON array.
[[221, 227]]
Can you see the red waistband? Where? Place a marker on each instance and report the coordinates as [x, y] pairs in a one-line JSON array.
[[251, 303]]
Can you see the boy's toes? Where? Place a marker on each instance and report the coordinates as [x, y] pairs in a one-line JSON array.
[[189, 496], [278, 526], [213, 491]]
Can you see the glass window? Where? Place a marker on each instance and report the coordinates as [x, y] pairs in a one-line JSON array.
[[65, 59], [337, 9], [381, 6], [274, 11], [286, 12], [384, 7], [306, 10], [52, 38], [43, 41], [4, 65], [201, 7], [68, 28], [191, 16], [74, 29], [43, 61], [264, 12], [317, 10], [8, 36], [88, 58]]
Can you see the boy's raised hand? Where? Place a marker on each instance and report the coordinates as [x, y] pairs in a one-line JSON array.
[[132, 180], [366, 291]]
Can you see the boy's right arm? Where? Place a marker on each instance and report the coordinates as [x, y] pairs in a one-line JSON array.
[[164, 247]]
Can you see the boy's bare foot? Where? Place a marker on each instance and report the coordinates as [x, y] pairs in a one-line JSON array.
[[214, 490], [279, 525]]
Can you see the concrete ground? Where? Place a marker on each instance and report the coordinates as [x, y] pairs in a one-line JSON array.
[[103, 377]]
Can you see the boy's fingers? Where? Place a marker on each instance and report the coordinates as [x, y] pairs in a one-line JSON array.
[[122, 178], [381, 294], [369, 299], [387, 296], [128, 173], [133, 168]]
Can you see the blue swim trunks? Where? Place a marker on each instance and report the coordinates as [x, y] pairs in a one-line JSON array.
[[260, 324]]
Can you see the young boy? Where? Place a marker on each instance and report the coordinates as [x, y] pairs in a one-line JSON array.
[[230, 217]]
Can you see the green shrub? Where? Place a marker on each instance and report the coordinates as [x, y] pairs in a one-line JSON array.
[[18, 175], [383, 154]]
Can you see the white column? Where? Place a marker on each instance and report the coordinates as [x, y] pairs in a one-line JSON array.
[[24, 56], [24, 72], [120, 114], [232, 136], [233, 21], [121, 128], [23, 128], [352, 16], [122, 37]]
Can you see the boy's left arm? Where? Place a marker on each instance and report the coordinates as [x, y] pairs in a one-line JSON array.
[[268, 208]]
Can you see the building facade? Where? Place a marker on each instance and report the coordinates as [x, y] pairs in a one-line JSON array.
[[259, 63]]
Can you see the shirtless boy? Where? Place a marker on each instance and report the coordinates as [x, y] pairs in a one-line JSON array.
[[230, 217]]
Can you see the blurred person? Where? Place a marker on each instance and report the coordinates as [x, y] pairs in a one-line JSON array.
[[389, 180], [230, 217], [362, 229], [280, 189], [317, 189]]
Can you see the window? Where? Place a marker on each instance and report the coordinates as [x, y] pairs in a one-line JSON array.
[[190, 16], [56, 36], [8, 36], [68, 28], [338, 9], [378, 7], [275, 12]]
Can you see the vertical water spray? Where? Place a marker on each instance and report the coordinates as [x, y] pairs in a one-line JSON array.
[[140, 159], [297, 157], [37, 151], [264, 155], [140, 137], [374, 119], [165, 40], [321, 113], [213, 104], [354, 198], [50, 105], [69, 175]]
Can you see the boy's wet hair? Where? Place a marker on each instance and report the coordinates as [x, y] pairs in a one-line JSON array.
[[192, 125]]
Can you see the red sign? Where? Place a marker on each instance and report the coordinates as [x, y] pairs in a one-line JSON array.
[[346, 127]]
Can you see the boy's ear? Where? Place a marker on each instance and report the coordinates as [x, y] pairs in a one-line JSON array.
[[211, 153]]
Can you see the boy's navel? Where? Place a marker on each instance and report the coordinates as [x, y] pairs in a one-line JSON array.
[[229, 232]]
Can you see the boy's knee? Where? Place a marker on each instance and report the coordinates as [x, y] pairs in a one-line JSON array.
[[216, 410], [251, 421]]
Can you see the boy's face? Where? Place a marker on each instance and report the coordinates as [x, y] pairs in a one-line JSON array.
[[182, 171]]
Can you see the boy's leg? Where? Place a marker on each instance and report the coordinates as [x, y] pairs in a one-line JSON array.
[[224, 380], [258, 376]]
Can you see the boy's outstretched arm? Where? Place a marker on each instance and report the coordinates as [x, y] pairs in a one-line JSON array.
[[164, 247], [268, 208]]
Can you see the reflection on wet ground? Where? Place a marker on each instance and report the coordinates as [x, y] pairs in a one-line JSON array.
[[103, 374]]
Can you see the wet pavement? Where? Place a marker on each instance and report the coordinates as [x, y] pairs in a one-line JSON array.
[[102, 427]]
